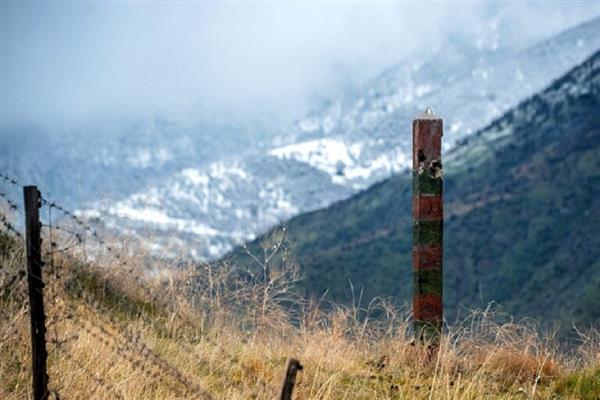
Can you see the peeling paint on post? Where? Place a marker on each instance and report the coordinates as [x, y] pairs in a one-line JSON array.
[[428, 224]]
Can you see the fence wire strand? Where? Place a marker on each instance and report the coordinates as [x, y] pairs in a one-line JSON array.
[[9, 179], [124, 343]]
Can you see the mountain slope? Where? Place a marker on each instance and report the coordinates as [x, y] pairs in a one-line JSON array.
[[206, 183], [521, 202], [101, 160], [343, 147]]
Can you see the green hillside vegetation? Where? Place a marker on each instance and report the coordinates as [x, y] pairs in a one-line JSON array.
[[522, 214], [202, 333]]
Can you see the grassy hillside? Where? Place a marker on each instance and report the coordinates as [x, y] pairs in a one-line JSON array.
[[522, 205], [203, 333]]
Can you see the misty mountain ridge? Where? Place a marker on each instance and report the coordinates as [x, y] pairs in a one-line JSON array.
[[521, 212], [186, 188]]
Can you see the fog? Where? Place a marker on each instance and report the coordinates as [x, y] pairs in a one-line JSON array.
[[65, 63]]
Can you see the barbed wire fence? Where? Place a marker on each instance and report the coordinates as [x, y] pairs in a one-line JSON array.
[[74, 233], [116, 337]]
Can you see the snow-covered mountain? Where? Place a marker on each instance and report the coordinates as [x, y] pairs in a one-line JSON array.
[[103, 160], [520, 198], [347, 145], [207, 185]]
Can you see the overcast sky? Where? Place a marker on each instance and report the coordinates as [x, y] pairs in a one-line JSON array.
[[70, 61]]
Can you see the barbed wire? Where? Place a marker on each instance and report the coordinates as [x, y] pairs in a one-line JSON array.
[[52, 326], [9, 179], [100, 381], [153, 298], [9, 227], [15, 278], [134, 339], [126, 344], [93, 232], [52, 227], [53, 245], [69, 214], [116, 342], [11, 204], [79, 239], [10, 280], [130, 347]]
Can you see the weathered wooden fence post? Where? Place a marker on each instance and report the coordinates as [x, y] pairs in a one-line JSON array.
[[427, 226], [289, 380], [36, 294]]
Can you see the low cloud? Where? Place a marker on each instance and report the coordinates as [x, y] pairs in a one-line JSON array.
[[74, 61]]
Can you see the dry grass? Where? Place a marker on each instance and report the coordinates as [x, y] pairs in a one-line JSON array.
[[228, 332]]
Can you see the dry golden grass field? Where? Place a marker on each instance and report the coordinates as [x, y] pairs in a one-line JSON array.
[[134, 331]]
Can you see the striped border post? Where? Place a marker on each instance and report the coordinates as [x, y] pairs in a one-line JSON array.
[[427, 226]]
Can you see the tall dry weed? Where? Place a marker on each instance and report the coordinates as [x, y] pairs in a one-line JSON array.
[[130, 326]]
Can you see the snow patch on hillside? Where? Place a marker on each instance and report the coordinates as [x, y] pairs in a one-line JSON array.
[[343, 162], [323, 154]]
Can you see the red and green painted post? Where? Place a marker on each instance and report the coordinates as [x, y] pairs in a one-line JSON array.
[[428, 222]]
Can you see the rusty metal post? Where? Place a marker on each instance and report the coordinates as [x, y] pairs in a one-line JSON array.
[[289, 380], [36, 293], [427, 227]]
